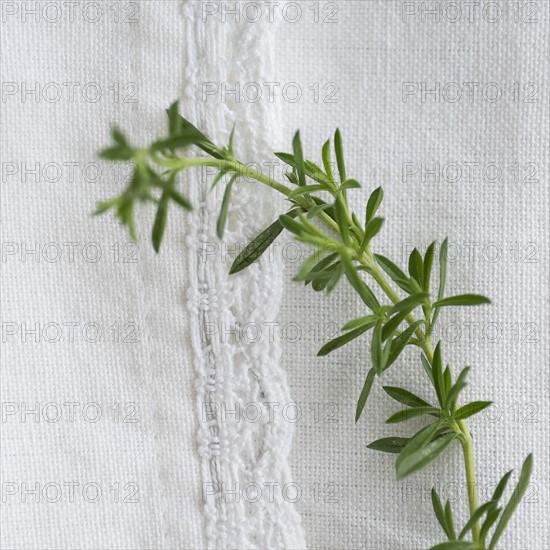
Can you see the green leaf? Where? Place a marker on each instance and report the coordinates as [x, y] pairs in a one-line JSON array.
[[424, 456], [259, 245], [475, 517], [320, 270], [339, 150], [449, 520], [514, 501], [456, 389], [360, 321], [299, 158], [342, 219], [406, 397], [314, 210], [373, 204], [350, 184], [160, 221], [442, 275], [399, 343], [428, 262], [418, 441], [470, 409], [393, 324], [305, 189], [389, 444], [415, 267], [395, 273], [410, 303], [291, 225], [443, 253], [463, 300], [437, 373], [499, 490], [343, 339], [326, 159], [427, 367], [407, 414], [456, 545], [492, 516], [372, 229], [440, 513], [364, 393], [376, 352], [366, 294], [222, 219]]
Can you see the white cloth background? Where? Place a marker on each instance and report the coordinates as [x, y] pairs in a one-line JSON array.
[[369, 53], [350, 498]]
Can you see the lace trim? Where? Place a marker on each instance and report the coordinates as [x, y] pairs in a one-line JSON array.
[[249, 457]]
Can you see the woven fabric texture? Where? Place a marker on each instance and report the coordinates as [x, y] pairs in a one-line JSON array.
[[449, 168]]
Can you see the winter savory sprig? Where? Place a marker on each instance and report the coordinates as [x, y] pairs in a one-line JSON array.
[[341, 241]]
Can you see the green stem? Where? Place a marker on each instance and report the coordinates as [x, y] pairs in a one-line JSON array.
[[367, 260]]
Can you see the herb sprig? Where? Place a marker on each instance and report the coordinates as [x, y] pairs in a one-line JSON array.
[[343, 249]]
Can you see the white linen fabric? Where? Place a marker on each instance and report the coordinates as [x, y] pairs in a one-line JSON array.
[[106, 440], [121, 369], [449, 168]]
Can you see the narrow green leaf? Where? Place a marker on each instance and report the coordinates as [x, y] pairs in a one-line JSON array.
[[339, 150], [291, 225], [337, 273], [437, 373], [440, 513], [449, 520], [456, 389], [395, 273], [475, 517], [418, 441], [376, 352], [415, 267], [393, 324], [428, 262], [492, 516], [499, 490], [342, 219], [470, 409], [399, 343], [372, 229], [360, 321], [364, 393], [222, 219], [299, 158], [463, 300], [406, 397], [305, 189], [259, 245], [373, 204], [514, 501], [407, 414], [427, 367], [343, 339], [389, 444], [326, 159], [366, 294], [456, 545], [160, 221], [314, 210], [424, 456], [350, 184], [443, 252], [321, 267], [305, 269], [410, 303]]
